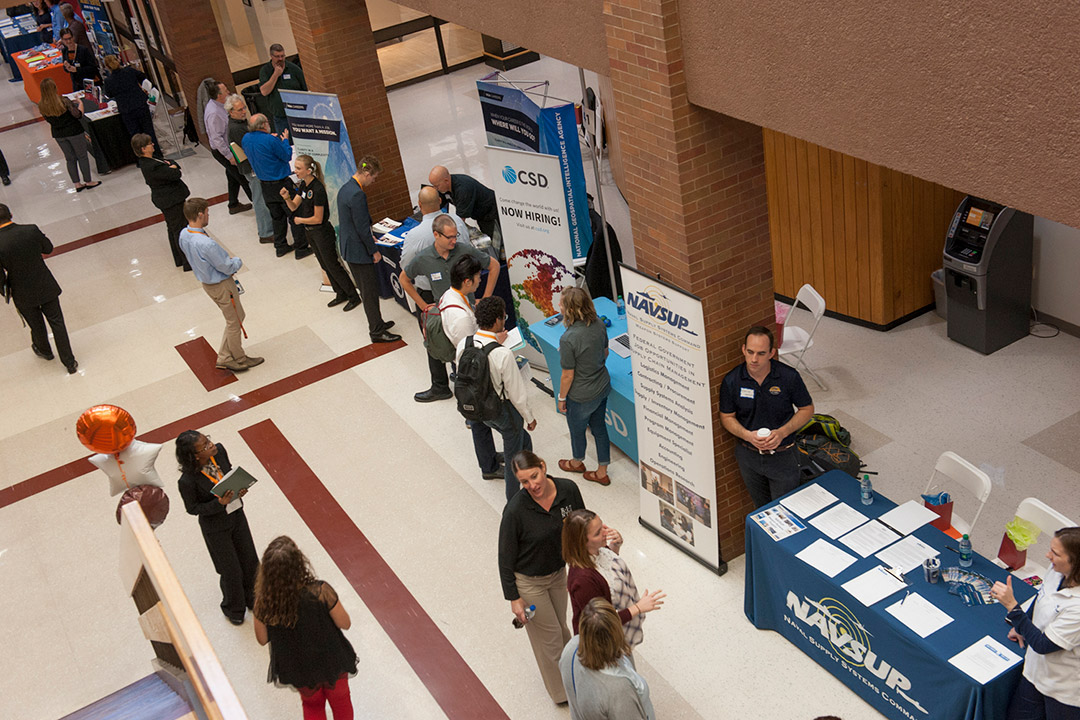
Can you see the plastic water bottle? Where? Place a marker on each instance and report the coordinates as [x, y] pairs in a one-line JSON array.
[[621, 307], [965, 551], [529, 612], [866, 491]]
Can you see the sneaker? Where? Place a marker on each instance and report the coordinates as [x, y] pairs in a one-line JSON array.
[[251, 361]]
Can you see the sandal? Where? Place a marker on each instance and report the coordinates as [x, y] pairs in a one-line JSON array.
[[591, 476], [568, 466]]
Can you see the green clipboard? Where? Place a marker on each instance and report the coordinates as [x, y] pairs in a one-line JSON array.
[[236, 480]]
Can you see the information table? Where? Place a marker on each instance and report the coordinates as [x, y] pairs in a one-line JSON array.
[[110, 143], [34, 76], [18, 34], [622, 425], [872, 652]]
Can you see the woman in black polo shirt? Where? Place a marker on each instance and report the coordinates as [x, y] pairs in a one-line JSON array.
[[531, 566], [311, 210]]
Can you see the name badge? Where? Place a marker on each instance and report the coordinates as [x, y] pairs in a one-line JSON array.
[[286, 76], [746, 393], [436, 276]]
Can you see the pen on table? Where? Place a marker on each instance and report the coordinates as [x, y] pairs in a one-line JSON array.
[[905, 597], [950, 547]]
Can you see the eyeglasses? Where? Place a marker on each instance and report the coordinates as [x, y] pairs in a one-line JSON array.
[[448, 237]]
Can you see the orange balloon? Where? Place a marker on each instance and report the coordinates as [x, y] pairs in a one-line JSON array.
[[106, 429]]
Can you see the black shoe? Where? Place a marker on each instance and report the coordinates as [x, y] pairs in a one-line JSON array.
[[235, 621], [6, 180], [72, 367], [385, 337], [40, 354], [352, 304], [432, 395], [387, 325], [282, 252], [496, 474], [337, 301], [303, 253], [234, 209]]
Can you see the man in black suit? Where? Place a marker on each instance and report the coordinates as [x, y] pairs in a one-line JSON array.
[[167, 192], [33, 288]]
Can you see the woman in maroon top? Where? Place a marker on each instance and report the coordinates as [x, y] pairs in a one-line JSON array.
[[591, 549]]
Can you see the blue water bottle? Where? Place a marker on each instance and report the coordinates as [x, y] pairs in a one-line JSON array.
[[621, 306], [965, 551], [866, 491]]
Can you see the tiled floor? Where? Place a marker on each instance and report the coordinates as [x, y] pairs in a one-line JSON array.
[[404, 473]]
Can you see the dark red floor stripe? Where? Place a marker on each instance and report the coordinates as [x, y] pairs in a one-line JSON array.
[[443, 671], [21, 123], [202, 360], [75, 468], [123, 229]]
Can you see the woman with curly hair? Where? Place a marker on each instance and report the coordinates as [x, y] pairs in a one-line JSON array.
[[222, 521], [302, 619]]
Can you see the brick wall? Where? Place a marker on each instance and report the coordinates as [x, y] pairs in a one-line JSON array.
[[337, 50], [695, 182]]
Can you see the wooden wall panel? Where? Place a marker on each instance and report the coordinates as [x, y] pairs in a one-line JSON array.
[[865, 236]]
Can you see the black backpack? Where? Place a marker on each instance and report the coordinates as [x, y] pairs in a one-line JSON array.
[[476, 396]]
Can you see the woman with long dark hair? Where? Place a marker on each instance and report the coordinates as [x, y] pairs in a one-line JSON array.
[[302, 619], [224, 526], [63, 116]]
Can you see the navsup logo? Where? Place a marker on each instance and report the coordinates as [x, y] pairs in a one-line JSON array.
[[654, 303], [511, 176], [851, 642]]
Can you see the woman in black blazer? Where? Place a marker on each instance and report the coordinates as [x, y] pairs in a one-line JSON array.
[[167, 191], [222, 521]]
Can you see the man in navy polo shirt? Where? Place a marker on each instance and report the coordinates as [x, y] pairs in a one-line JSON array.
[[763, 403]]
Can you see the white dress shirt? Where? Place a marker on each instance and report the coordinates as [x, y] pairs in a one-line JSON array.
[[458, 320], [506, 378]]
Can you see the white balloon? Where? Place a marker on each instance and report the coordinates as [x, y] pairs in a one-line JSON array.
[[138, 459]]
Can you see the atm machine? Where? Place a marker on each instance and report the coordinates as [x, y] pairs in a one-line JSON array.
[[988, 269]]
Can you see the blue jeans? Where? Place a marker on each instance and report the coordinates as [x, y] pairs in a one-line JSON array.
[[515, 437], [590, 415], [262, 213]]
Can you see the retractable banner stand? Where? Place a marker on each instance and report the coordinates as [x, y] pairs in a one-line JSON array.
[[532, 213], [317, 128], [674, 415], [512, 120]]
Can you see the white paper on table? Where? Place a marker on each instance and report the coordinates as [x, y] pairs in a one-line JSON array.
[[909, 517], [826, 557], [919, 614], [906, 555], [838, 520], [869, 538], [808, 500], [985, 659], [873, 585]]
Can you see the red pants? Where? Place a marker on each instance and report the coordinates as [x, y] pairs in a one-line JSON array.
[[315, 700]]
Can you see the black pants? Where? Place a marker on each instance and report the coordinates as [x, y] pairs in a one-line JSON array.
[[1030, 704], [174, 223], [141, 121], [367, 280], [236, 561], [767, 477], [4, 172], [279, 213], [35, 316], [233, 177], [322, 241], [440, 381]]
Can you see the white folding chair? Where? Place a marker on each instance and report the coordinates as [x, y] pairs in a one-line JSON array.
[[972, 479], [797, 338], [1048, 520]]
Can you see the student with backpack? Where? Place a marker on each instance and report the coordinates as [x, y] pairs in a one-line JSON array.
[[490, 387]]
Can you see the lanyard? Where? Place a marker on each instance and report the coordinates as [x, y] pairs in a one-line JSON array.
[[463, 298], [201, 232], [484, 333], [217, 472]]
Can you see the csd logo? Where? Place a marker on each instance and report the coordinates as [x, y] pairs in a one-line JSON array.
[[512, 176]]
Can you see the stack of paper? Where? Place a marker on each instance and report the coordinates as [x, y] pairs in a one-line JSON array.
[[826, 557], [869, 538], [808, 500], [985, 659]]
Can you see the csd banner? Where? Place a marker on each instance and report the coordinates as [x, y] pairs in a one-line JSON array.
[[532, 213], [318, 129], [514, 121], [674, 415]]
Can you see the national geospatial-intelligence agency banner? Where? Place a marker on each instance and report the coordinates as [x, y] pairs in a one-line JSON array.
[[674, 414], [533, 218], [317, 128]]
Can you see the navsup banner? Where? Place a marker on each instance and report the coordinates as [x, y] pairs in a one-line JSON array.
[[673, 413], [533, 218], [318, 129], [512, 120]]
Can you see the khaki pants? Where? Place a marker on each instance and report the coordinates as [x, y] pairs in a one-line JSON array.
[[548, 633], [228, 301]]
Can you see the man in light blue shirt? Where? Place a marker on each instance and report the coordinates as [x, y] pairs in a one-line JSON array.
[[215, 268], [422, 235], [59, 22]]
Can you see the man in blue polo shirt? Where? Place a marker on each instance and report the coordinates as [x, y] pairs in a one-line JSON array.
[[270, 156], [763, 403]]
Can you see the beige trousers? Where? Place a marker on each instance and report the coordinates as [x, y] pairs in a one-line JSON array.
[[548, 633], [226, 297]]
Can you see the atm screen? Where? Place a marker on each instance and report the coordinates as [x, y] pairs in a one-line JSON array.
[[980, 218]]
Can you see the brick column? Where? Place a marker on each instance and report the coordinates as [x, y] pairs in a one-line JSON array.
[[695, 182], [337, 50], [195, 48]]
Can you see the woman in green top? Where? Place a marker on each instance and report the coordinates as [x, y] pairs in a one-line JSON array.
[[585, 383]]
